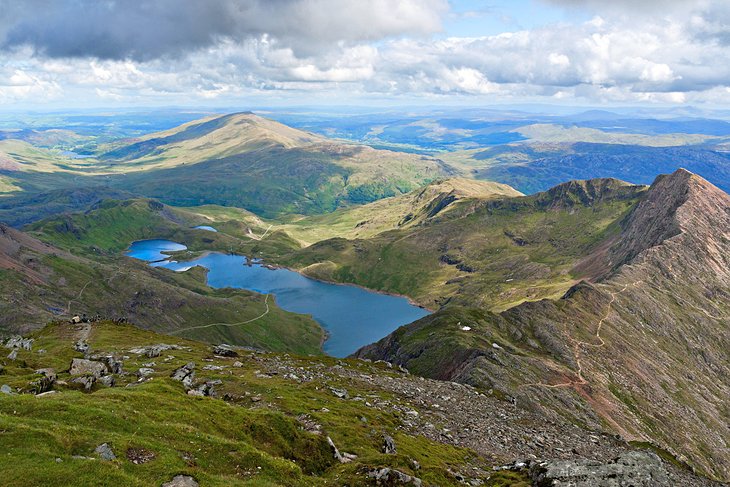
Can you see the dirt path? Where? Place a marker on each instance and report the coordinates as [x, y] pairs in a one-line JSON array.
[[577, 344], [266, 303]]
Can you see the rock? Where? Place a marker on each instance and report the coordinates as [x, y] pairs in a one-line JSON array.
[[145, 372], [388, 476], [213, 367], [114, 365], [238, 364], [335, 451], [19, 342], [44, 394], [388, 444], [107, 381], [45, 383], [635, 468], [87, 382], [224, 350], [105, 452], [341, 393], [6, 389], [181, 481], [13, 355], [81, 346], [154, 350], [81, 366], [185, 374]]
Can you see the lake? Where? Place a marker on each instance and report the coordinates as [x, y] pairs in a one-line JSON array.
[[352, 316]]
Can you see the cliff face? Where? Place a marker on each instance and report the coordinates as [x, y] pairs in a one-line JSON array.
[[642, 351]]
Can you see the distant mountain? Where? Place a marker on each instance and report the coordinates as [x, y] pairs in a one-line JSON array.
[[254, 163], [640, 347]]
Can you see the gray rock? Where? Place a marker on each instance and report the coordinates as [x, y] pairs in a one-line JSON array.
[[388, 444], [50, 373], [224, 350], [105, 452], [81, 346], [81, 366], [13, 355], [388, 476], [108, 381], [336, 453], [185, 374], [6, 389], [86, 381], [145, 372], [19, 342], [206, 389], [634, 468], [341, 393], [181, 481]]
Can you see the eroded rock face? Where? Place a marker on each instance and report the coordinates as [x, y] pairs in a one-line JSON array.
[[634, 468], [185, 374], [19, 342], [81, 366]]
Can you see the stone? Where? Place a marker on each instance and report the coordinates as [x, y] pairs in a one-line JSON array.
[[341, 393], [145, 372], [13, 355], [389, 476], [80, 366], [81, 346], [635, 468], [181, 481], [238, 364], [335, 451], [87, 382], [185, 374], [107, 381], [50, 373], [105, 452], [6, 389], [388, 444], [19, 342], [224, 350]]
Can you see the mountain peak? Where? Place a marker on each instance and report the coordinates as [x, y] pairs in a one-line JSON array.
[[585, 192], [681, 203]]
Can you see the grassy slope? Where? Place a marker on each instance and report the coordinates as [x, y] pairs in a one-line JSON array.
[[493, 254], [239, 442]]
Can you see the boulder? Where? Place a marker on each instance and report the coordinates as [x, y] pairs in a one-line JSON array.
[[87, 382], [181, 481], [341, 393], [185, 374], [224, 350], [107, 380], [145, 372], [19, 342], [388, 444], [389, 476], [105, 452], [81, 346], [13, 355], [635, 468], [6, 389], [81, 366]]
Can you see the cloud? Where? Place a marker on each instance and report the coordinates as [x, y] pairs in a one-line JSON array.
[[143, 30]]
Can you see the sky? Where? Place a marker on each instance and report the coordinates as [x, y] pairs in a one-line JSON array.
[[105, 53]]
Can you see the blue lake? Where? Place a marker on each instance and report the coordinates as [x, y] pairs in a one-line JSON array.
[[352, 316]]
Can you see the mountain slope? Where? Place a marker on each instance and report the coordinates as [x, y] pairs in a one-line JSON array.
[[250, 162], [494, 252], [40, 283], [642, 351]]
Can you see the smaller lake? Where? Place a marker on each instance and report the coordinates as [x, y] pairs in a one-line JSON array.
[[352, 316], [205, 227]]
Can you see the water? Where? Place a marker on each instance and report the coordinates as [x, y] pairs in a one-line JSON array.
[[205, 227], [352, 316]]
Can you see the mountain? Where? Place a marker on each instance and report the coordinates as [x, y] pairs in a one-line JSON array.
[[638, 348], [263, 166], [495, 251]]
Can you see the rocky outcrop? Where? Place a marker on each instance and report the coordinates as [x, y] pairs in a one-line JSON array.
[[636, 469], [88, 367]]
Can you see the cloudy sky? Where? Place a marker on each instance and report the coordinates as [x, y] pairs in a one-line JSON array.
[[84, 53]]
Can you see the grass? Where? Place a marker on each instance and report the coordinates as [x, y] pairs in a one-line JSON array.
[[235, 442]]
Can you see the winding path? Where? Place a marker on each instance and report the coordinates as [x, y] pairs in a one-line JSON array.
[[266, 303], [580, 380]]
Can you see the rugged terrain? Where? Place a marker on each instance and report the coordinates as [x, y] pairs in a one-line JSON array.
[[110, 403], [639, 347]]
